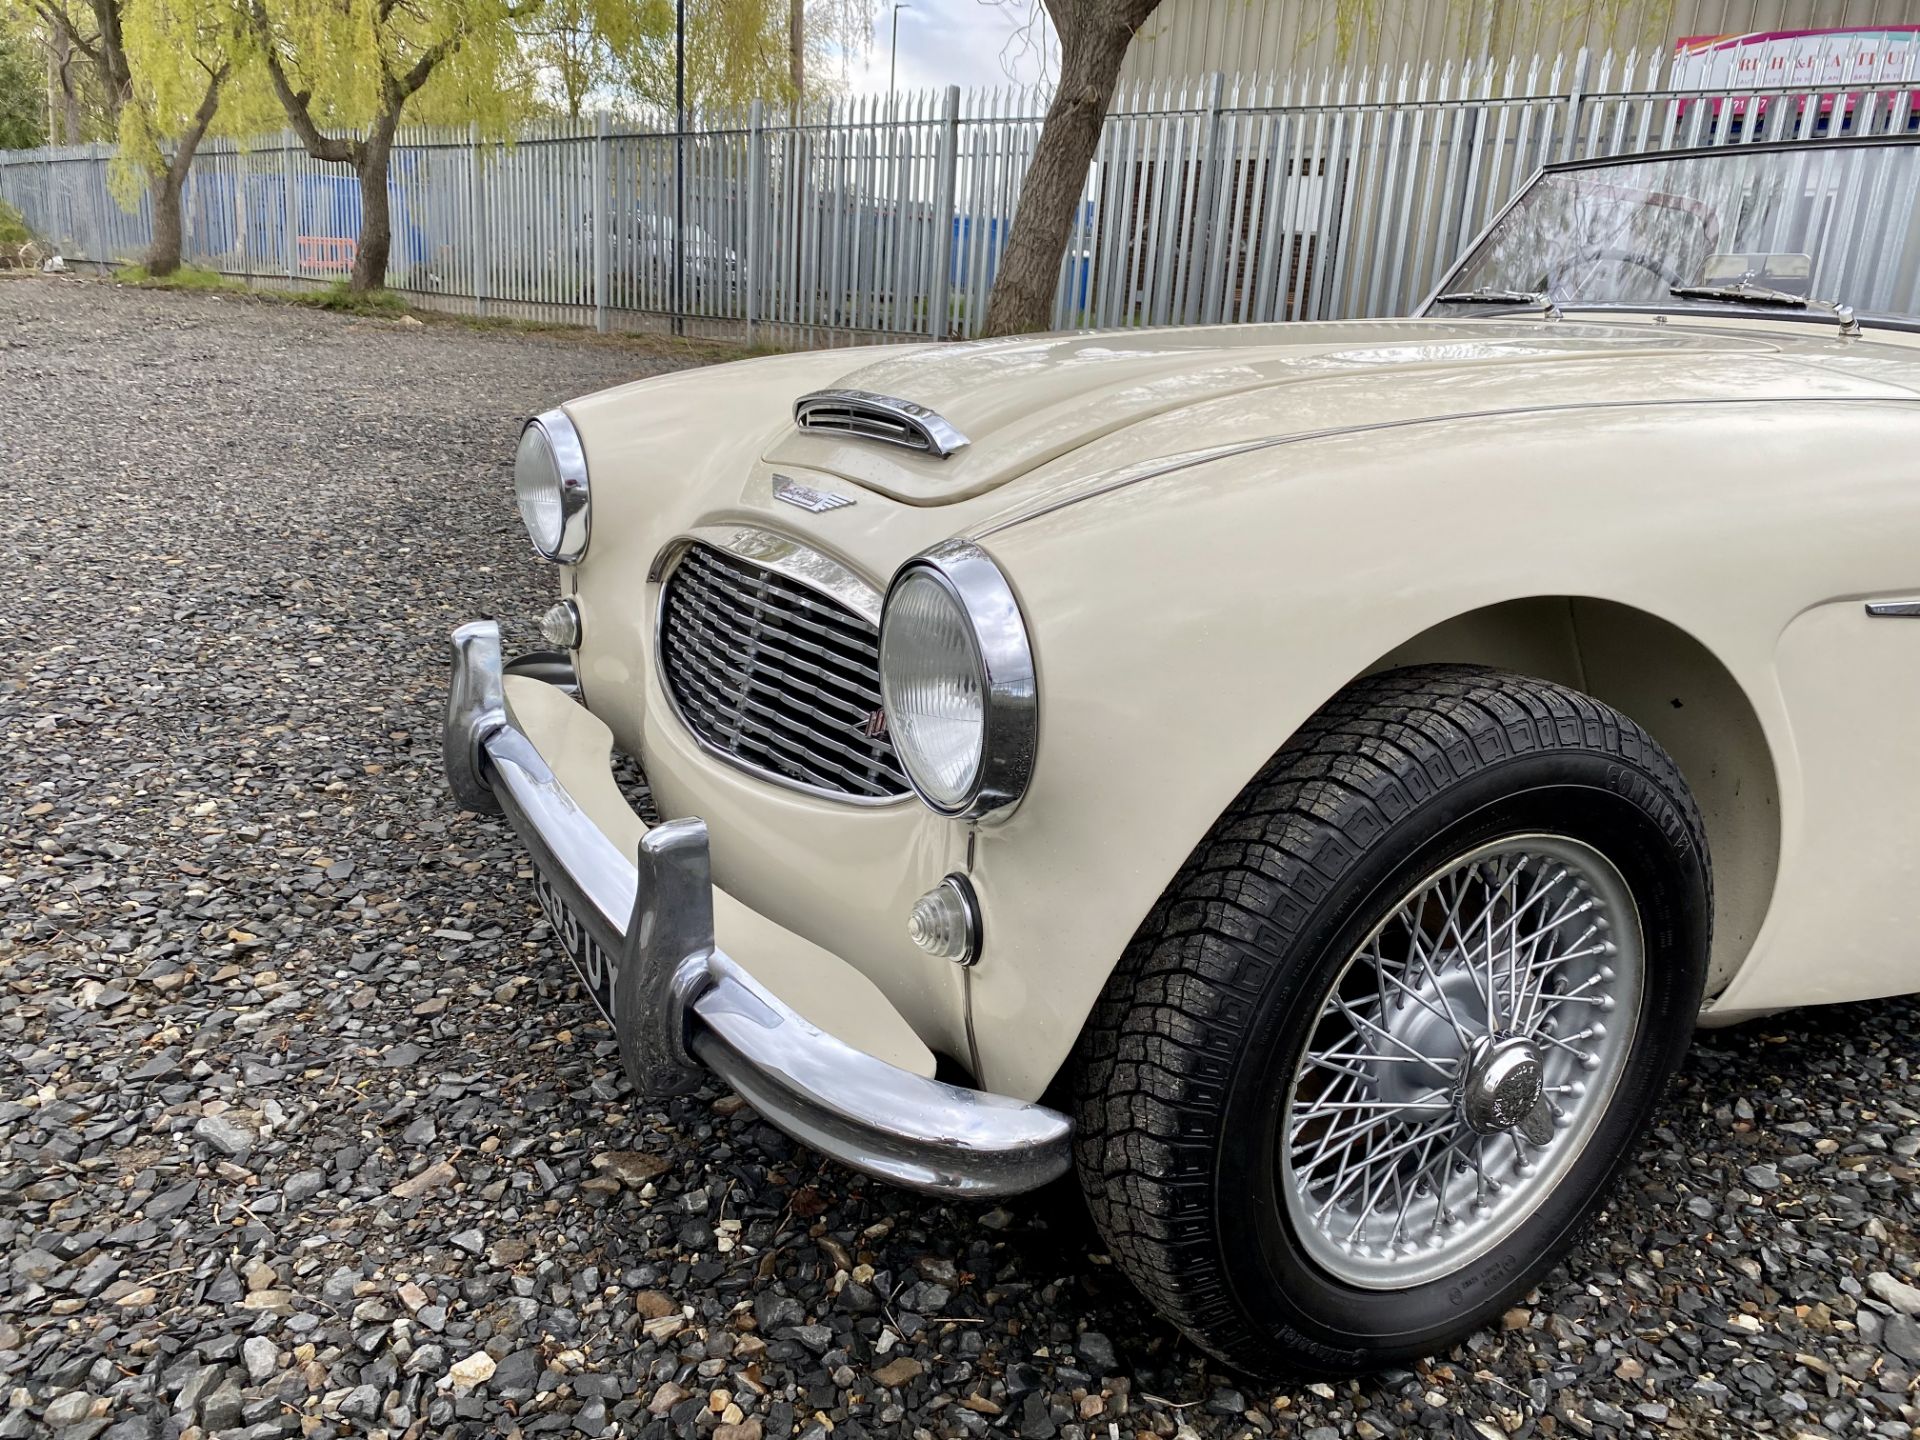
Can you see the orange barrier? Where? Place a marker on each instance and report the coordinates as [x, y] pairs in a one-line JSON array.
[[332, 253]]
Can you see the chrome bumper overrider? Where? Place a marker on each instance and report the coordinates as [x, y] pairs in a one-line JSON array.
[[680, 1003]]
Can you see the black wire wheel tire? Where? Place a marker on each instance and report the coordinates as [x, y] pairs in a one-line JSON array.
[[1378, 1053]]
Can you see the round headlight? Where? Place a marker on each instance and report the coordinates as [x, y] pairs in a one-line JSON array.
[[550, 485], [956, 677]]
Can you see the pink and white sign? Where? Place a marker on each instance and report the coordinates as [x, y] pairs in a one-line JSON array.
[[1840, 63]]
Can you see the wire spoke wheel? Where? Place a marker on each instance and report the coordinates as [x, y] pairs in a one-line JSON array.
[[1454, 942], [1461, 1059]]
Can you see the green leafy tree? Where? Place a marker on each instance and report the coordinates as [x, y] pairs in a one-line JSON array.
[[160, 66], [576, 51], [619, 54], [735, 52], [742, 50], [346, 71], [22, 74], [41, 74], [179, 56]]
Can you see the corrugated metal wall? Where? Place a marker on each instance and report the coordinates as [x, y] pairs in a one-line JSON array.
[[1185, 38]]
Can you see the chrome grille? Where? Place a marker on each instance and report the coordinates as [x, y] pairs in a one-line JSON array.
[[777, 676]]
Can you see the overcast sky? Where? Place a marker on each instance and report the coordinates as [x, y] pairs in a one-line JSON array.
[[956, 42]]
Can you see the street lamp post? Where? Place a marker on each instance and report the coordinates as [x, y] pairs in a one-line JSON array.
[[893, 57], [679, 161]]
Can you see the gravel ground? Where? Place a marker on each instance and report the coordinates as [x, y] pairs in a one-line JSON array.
[[304, 1127]]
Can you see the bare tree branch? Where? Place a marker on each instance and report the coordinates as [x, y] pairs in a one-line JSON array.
[[189, 142], [1094, 35], [113, 50], [423, 68], [297, 103], [1028, 38], [63, 22]]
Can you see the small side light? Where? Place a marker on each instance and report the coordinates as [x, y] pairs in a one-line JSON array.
[[946, 921], [560, 626]]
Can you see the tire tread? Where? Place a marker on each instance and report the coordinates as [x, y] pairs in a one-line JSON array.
[[1157, 1055]]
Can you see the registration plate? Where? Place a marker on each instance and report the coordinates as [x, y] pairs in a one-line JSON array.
[[589, 957]]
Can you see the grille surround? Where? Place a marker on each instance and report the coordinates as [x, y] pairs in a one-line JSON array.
[[772, 673]]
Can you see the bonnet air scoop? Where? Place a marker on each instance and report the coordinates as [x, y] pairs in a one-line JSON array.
[[864, 415], [986, 412]]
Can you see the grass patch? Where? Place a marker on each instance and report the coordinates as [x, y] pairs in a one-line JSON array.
[[706, 348], [187, 277], [384, 304], [13, 228]]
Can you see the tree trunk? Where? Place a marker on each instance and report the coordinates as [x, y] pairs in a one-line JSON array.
[[63, 126], [163, 253], [1029, 277], [376, 222], [166, 180], [368, 158]]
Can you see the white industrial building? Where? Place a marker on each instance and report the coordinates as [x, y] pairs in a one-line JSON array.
[[1185, 38]]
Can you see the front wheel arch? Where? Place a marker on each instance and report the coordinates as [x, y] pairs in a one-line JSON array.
[[1673, 686], [1172, 1078]]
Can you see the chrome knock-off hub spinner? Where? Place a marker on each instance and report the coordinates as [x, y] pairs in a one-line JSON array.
[[1503, 1087]]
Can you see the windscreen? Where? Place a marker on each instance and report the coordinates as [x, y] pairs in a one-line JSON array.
[[1823, 222]]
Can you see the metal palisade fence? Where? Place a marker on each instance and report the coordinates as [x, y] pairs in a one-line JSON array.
[[1214, 201]]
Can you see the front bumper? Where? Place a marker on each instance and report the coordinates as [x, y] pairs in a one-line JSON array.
[[679, 1003]]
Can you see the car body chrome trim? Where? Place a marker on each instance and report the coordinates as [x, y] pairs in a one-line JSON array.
[[1580, 312], [814, 502], [927, 430], [576, 494], [1894, 609], [1011, 692], [681, 1003], [476, 708], [785, 556], [969, 898]]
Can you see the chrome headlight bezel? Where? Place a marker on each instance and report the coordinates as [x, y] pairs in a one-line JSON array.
[[1008, 685], [569, 458]]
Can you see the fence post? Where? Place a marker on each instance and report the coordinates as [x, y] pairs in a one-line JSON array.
[[756, 188], [946, 183], [1205, 238], [289, 211], [1574, 100], [96, 202], [189, 216], [476, 219], [600, 208]]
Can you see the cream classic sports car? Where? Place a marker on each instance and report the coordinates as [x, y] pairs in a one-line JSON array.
[[1308, 780]]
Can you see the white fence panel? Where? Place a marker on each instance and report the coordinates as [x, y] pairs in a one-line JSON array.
[[1304, 197]]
